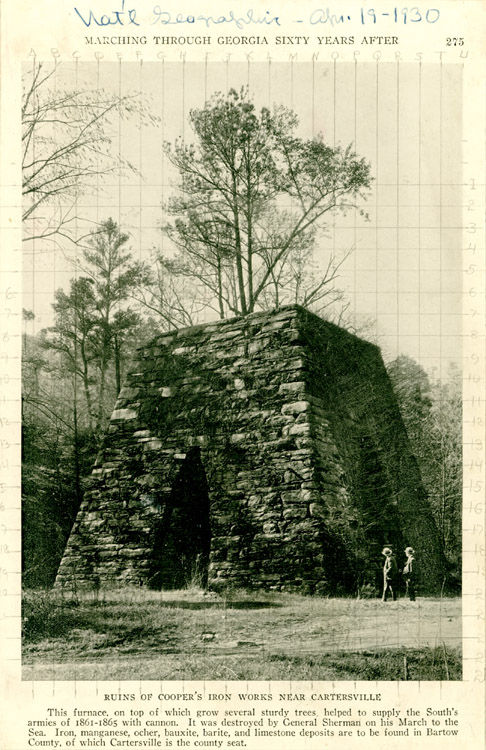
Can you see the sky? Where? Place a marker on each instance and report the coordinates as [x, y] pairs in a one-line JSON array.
[[404, 274]]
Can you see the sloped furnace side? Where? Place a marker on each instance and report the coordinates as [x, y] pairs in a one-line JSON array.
[[263, 452]]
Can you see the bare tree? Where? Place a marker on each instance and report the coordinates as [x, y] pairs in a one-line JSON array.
[[170, 295], [67, 135]]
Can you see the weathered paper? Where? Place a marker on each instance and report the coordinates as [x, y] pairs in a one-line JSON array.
[[406, 86]]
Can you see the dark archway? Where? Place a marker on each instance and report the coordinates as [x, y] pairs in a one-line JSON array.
[[182, 536]]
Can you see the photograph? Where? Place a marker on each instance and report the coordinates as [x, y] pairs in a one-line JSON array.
[[242, 316]]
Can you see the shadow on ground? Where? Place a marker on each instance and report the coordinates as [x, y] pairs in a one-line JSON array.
[[177, 604]]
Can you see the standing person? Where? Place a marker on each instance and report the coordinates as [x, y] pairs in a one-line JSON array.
[[410, 573], [390, 570]]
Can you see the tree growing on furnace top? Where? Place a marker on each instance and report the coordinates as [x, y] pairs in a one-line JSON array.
[[251, 199]]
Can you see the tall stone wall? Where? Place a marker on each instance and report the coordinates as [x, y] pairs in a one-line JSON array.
[[264, 452]]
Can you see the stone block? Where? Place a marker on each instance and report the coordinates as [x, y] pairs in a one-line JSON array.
[[292, 497], [275, 325], [301, 428], [139, 434], [296, 407], [123, 414], [294, 512], [318, 510], [297, 386], [270, 528]]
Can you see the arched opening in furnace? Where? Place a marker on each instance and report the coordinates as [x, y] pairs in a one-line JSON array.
[[182, 538]]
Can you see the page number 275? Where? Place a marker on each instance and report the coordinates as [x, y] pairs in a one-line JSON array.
[[455, 41]]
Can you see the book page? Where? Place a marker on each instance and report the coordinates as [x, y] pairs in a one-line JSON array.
[[360, 203]]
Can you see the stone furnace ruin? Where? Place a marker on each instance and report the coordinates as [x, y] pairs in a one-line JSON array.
[[264, 452]]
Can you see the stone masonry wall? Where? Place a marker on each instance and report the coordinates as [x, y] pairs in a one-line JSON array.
[[264, 452]]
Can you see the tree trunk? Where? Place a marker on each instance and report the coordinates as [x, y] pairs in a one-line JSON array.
[[77, 471], [103, 367], [87, 394], [220, 290], [238, 254], [117, 364]]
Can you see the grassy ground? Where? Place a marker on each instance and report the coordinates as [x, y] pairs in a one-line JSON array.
[[194, 635]]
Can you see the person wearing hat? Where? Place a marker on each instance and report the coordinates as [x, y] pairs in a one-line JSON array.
[[410, 573], [390, 571]]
